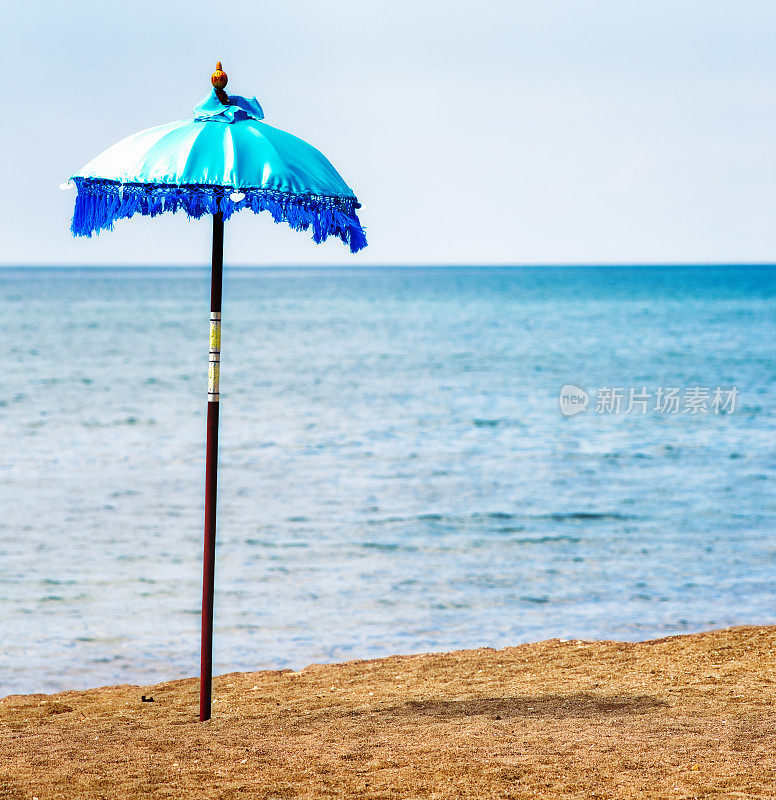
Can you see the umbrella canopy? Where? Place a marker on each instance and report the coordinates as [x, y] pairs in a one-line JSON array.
[[223, 159]]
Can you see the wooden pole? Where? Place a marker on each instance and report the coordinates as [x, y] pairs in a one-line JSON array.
[[211, 469]]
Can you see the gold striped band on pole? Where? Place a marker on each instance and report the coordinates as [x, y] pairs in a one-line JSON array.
[[215, 357]]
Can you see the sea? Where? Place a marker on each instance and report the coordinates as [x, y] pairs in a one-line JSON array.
[[411, 460]]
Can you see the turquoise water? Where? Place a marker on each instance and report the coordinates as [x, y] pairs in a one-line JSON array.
[[396, 475]]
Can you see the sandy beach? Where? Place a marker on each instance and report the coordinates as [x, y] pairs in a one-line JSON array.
[[682, 717]]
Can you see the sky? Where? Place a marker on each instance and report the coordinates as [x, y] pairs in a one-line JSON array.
[[489, 132]]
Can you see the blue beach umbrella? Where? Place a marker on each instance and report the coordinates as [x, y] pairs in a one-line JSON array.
[[223, 160]]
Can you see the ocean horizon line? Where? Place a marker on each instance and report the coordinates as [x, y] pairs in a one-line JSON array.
[[430, 266]]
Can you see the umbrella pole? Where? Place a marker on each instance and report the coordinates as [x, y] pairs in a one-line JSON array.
[[211, 468]]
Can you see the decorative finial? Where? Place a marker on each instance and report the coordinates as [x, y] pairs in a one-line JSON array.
[[219, 81]]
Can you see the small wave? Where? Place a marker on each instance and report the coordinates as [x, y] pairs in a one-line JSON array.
[[387, 547], [486, 423], [546, 539], [505, 516], [585, 515], [499, 422], [281, 544]]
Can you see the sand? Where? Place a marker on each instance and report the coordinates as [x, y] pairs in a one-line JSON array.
[[682, 717]]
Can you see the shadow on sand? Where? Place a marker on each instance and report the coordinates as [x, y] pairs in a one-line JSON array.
[[569, 705]]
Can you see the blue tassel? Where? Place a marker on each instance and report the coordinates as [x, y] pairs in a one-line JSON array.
[[100, 203]]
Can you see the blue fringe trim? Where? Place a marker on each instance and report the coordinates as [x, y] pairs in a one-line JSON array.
[[100, 203]]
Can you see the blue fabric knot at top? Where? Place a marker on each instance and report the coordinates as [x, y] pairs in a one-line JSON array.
[[211, 108], [225, 159]]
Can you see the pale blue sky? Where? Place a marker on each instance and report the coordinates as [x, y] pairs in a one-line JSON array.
[[473, 132]]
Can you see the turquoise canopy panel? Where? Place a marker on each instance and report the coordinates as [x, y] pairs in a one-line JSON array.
[[224, 159]]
